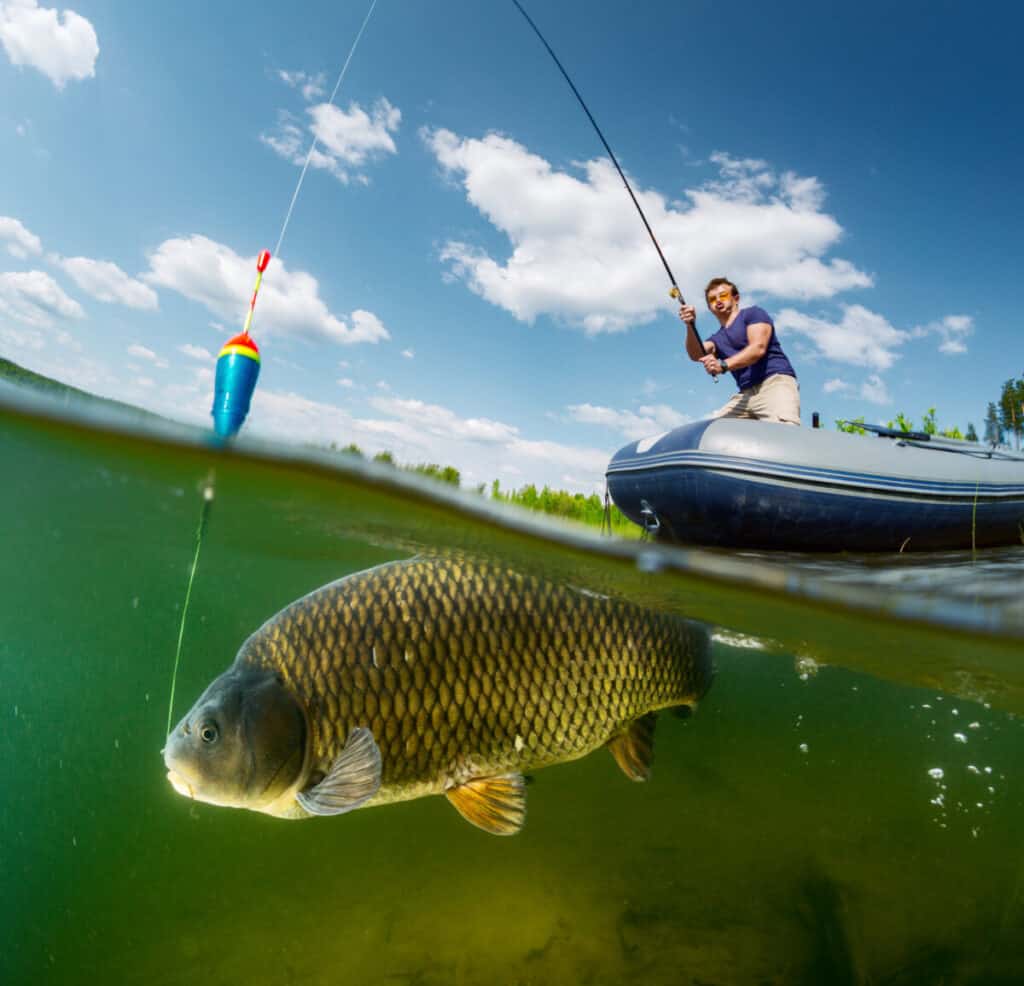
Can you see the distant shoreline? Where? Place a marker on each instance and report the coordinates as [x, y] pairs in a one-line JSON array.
[[18, 375]]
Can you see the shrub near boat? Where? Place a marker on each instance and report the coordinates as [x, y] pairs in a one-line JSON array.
[[739, 483]]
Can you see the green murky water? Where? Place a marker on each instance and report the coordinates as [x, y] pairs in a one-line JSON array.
[[845, 807]]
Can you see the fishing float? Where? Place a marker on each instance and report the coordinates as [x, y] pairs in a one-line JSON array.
[[238, 369]]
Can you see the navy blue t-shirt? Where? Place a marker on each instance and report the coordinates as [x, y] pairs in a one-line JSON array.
[[730, 340]]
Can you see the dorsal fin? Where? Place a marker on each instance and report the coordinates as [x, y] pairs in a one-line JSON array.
[[634, 749], [353, 779], [495, 804]]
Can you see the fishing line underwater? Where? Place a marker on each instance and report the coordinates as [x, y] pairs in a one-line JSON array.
[[238, 367], [238, 362]]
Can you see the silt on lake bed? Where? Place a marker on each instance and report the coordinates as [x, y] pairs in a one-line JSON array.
[[844, 807]]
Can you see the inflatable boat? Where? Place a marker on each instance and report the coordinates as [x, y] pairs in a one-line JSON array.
[[755, 484]]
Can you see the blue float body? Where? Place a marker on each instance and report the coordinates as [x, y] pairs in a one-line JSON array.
[[232, 392], [756, 484]]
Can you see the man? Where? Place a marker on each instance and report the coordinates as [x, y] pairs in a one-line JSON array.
[[747, 347]]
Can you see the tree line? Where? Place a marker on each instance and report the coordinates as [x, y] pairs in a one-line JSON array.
[[559, 503], [1003, 423]]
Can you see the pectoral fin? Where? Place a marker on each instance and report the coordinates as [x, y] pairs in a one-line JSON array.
[[634, 749], [495, 804], [353, 779]]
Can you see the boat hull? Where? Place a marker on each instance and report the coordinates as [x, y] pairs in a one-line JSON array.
[[750, 484]]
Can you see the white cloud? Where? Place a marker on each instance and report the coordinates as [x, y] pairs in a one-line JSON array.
[[874, 390], [195, 352], [580, 253], [408, 353], [861, 338], [141, 352], [443, 422], [837, 386], [289, 302], [19, 241], [952, 330], [346, 382], [35, 299], [416, 431], [645, 421], [105, 281], [62, 45], [346, 141], [311, 86]]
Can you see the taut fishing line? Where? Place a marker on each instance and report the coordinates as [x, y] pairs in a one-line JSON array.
[[204, 515], [674, 292], [242, 352], [312, 147]]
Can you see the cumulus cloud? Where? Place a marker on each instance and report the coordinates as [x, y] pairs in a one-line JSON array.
[[417, 431], [195, 352], [346, 140], [311, 86], [105, 281], [141, 352], [861, 338], [290, 304], [952, 331], [874, 390], [60, 44], [649, 420], [19, 241], [36, 299], [443, 422], [579, 252]]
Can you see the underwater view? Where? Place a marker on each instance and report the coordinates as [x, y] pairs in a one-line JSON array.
[[842, 805]]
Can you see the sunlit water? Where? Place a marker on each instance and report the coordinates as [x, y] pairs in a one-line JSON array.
[[845, 806]]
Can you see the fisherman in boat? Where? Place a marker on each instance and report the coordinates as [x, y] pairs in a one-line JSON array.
[[747, 346]]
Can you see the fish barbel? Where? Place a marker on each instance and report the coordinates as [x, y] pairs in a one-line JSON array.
[[436, 675]]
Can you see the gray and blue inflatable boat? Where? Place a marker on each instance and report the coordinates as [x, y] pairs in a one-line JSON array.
[[755, 484]]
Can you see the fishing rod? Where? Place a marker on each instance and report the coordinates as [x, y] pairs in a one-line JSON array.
[[674, 292]]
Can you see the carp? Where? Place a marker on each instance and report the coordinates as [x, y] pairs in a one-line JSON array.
[[434, 675]]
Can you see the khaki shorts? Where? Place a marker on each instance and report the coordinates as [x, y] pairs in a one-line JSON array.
[[777, 398]]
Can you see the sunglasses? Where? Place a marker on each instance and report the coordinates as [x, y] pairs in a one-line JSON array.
[[721, 296]]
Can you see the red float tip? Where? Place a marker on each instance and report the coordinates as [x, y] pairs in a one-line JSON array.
[[243, 339], [262, 260]]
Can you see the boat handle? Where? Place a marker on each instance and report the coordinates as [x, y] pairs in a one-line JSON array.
[[651, 523]]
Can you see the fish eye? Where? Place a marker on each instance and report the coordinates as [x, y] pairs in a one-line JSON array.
[[208, 732]]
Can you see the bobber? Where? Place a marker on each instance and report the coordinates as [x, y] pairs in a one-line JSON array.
[[238, 368]]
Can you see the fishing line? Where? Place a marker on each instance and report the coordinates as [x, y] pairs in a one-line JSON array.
[[204, 514], [674, 292], [312, 147], [235, 416]]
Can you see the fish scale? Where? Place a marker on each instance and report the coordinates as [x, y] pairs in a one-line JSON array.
[[461, 668]]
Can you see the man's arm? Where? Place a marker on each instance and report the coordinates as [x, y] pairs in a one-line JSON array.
[[693, 349], [759, 334]]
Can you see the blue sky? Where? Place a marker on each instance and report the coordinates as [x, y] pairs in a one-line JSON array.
[[464, 280]]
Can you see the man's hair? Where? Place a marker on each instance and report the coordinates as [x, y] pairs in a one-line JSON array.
[[716, 282]]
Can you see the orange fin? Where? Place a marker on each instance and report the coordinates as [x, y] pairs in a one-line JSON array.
[[634, 749], [495, 804]]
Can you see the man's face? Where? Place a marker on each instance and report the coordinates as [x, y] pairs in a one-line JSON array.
[[721, 300]]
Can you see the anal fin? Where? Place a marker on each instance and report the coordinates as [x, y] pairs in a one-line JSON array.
[[634, 749], [495, 804]]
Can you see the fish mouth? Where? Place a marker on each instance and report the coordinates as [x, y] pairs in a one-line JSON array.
[[180, 785]]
